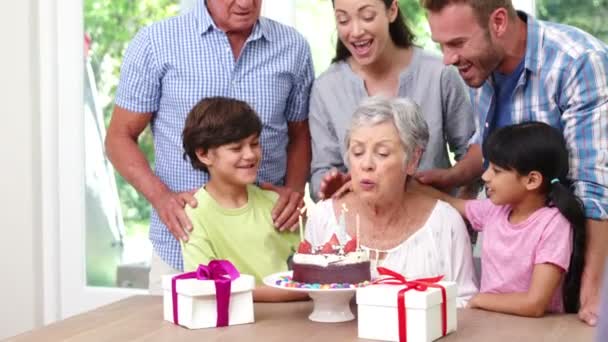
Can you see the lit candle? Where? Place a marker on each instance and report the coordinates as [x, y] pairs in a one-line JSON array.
[[301, 228], [357, 236]]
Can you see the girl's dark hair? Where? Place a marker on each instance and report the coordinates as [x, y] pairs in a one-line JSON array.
[[400, 34], [536, 146], [217, 121]]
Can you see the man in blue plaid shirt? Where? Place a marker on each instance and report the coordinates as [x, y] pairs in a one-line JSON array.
[[220, 48], [522, 69]]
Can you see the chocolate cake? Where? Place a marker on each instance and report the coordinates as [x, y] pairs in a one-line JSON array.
[[331, 263]]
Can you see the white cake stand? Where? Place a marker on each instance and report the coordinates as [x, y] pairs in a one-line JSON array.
[[330, 305]]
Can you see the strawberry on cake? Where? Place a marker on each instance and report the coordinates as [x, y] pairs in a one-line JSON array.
[[331, 263]]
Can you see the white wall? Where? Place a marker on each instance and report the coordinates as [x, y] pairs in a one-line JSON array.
[[20, 294]]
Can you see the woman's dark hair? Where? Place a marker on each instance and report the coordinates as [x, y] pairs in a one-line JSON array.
[[536, 146], [217, 121], [400, 34]]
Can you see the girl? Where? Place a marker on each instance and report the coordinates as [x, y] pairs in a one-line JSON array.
[[532, 251]]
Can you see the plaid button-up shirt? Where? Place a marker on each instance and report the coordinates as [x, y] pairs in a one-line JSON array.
[[564, 84], [171, 65]]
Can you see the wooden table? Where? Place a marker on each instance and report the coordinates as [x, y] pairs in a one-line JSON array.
[[139, 318]]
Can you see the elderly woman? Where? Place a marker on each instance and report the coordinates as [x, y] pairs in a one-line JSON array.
[[407, 232]]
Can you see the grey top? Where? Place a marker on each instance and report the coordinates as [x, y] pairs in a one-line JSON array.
[[436, 88]]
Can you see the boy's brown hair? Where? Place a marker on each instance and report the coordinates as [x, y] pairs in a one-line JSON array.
[[482, 8], [217, 121]]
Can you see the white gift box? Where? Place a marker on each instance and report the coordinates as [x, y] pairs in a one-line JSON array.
[[196, 304], [378, 317]]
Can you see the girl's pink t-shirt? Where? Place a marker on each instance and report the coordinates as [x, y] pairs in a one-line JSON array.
[[510, 251]]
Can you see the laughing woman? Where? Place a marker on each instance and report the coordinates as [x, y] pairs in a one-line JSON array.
[[375, 56]]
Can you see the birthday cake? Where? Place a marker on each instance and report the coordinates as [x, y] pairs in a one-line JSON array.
[[331, 263]]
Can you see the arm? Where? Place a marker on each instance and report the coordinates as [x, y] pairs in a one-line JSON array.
[[326, 154], [595, 259], [286, 211], [137, 98], [296, 112], [298, 156], [585, 103], [458, 118], [460, 263], [533, 303], [465, 171], [128, 159], [458, 203]]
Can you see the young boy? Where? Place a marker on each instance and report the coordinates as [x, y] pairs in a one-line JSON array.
[[233, 218]]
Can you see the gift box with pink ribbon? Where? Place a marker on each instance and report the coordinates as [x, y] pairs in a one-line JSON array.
[[394, 308], [215, 295]]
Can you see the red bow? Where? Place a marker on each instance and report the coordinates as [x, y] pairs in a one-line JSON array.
[[422, 284], [222, 272]]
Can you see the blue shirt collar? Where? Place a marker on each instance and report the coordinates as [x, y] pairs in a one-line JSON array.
[[534, 42], [205, 23]]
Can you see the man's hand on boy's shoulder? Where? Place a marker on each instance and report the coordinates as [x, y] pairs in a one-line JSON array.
[[170, 207], [287, 209]]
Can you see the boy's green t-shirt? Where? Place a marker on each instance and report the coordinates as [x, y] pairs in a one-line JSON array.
[[246, 236]]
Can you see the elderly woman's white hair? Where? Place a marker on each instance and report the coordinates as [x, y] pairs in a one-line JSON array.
[[404, 113]]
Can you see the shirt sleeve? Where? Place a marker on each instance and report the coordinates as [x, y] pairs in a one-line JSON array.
[[325, 145], [555, 245], [461, 269], [584, 102], [458, 118], [198, 249], [140, 81], [297, 103], [476, 138], [478, 212]]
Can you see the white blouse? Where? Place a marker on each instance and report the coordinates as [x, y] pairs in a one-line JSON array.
[[440, 247]]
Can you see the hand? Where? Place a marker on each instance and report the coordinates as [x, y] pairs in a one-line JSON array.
[[441, 179], [334, 184], [590, 299], [287, 209], [170, 208], [472, 304]]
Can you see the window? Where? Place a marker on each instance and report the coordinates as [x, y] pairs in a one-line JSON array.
[[117, 216], [586, 15]]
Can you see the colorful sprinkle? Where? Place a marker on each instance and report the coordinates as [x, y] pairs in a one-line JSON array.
[[286, 281]]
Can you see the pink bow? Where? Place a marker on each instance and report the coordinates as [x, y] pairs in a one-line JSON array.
[[222, 272]]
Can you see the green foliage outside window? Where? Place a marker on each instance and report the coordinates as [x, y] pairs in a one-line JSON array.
[[111, 24], [588, 15]]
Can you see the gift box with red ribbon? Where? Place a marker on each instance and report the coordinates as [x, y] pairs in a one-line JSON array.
[[394, 308], [215, 295]]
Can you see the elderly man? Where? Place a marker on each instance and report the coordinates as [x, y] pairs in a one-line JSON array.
[[522, 69], [221, 48]]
